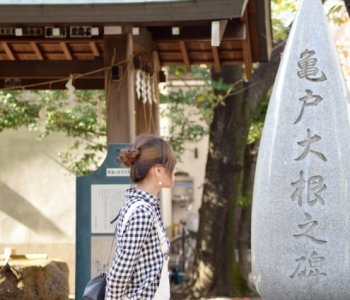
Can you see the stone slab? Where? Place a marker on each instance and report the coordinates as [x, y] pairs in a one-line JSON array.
[[34, 280], [301, 202]]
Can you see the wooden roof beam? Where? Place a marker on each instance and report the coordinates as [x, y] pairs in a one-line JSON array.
[[49, 69], [94, 49], [36, 50], [244, 7], [143, 42], [201, 62], [185, 55], [234, 31], [217, 32], [216, 59], [8, 51], [66, 51]]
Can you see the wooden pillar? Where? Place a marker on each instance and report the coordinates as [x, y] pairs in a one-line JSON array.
[[120, 93], [247, 52], [142, 117], [155, 107]]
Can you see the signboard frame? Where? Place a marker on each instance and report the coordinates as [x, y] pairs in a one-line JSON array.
[[108, 173]]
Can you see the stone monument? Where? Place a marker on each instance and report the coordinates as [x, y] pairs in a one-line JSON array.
[[301, 203]]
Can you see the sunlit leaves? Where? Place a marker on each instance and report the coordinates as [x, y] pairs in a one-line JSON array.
[[283, 12], [83, 157], [256, 127], [190, 105], [15, 113], [185, 125], [82, 122], [337, 13]]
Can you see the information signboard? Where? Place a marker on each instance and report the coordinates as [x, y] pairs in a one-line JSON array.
[[100, 196]]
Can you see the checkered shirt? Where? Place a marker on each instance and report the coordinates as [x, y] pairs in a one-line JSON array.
[[138, 261]]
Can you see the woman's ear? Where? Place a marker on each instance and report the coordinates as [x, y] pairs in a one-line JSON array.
[[156, 171]]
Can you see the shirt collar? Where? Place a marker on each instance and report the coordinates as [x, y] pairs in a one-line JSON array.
[[134, 192]]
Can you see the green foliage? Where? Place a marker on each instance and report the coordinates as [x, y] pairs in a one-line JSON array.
[[15, 113], [46, 112], [204, 93], [189, 109], [255, 132], [183, 127], [244, 200], [337, 13], [283, 12], [83, 157], [257, 124], [190, 106]]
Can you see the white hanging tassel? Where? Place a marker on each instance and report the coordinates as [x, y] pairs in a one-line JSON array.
[[149, 89], [42, 119], [23, 96], [143, 87], [138, 84], [28, 96], [71, 95]]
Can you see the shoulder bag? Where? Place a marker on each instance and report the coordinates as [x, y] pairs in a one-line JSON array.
[[95, 288]]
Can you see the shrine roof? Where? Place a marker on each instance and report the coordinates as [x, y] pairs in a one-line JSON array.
[[32, 11], [48, 2], [48, 40]]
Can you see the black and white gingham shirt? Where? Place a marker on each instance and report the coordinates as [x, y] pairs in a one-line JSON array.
[[138, 261]]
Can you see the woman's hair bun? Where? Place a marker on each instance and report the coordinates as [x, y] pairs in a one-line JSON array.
[[128, 156]]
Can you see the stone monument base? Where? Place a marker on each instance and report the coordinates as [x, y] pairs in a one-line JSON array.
[[34, 280]]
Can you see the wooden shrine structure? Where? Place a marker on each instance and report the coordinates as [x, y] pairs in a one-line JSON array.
[[101, 43], [109, 44]]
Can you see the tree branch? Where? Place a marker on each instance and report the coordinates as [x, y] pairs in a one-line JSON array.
[[263, 79]]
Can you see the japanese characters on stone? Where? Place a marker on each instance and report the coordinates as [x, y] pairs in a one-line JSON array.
[[307, 192]]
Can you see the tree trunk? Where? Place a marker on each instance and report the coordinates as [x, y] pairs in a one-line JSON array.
[[216, 265], [347, 5], [216, 272], [243, 243], [244, 262], [216, 269]]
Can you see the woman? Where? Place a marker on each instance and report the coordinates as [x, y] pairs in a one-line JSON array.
[[139, 269]]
